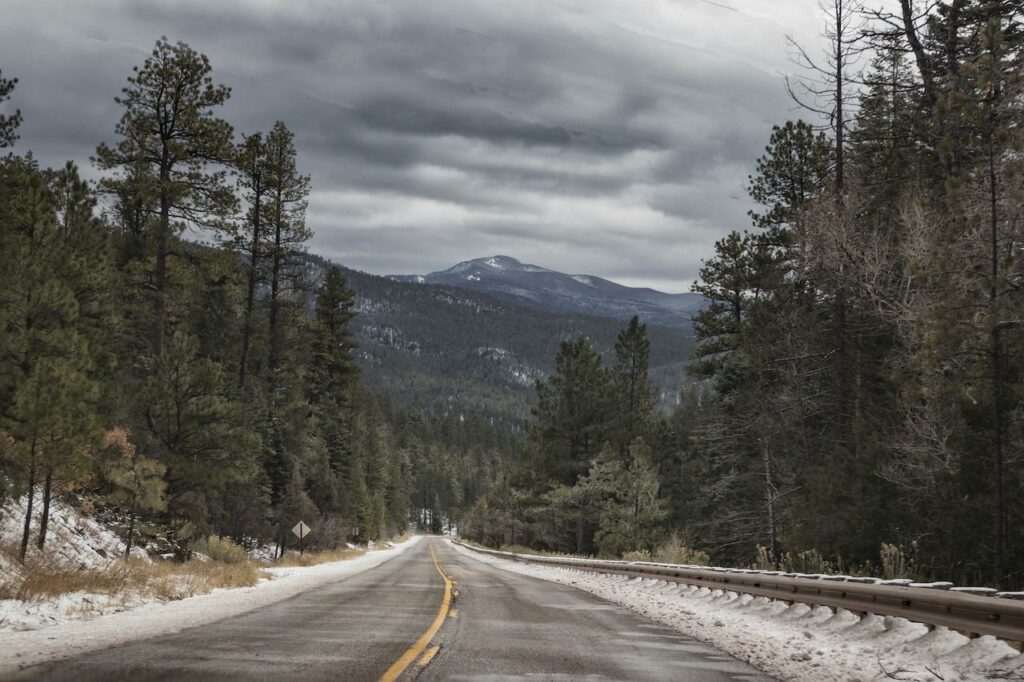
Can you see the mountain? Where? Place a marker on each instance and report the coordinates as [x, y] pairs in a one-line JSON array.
[[448, 349], [536, 287]]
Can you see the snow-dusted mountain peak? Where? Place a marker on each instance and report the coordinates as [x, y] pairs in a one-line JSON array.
[[538, 287], [497, 263]]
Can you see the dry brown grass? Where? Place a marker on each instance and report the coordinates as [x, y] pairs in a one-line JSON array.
[[162, 580], [315, 558]]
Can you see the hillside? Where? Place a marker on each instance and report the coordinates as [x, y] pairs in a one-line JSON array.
[[548, 290], [473, 353]]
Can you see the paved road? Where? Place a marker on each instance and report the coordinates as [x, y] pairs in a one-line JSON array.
[[500, 625]]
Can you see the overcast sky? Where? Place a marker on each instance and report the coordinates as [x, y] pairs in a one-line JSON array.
[[607, 137]]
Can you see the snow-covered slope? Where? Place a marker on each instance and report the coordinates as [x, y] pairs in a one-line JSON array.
[[74, 539], [552, 291]]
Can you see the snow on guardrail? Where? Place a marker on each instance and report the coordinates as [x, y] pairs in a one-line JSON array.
[[790, 637], [971, 610]]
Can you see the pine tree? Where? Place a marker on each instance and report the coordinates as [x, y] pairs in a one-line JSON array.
[[251, 163], [193, 429], [572, 413], [633, 509], [137, 481], [8, 122], [636, 399], [333, 367], [796, 164], [295, 507], [726, 281], [286, 223], [47, 391], [168, 144]]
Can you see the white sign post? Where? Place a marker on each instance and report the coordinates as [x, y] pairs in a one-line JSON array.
[[301, 530]]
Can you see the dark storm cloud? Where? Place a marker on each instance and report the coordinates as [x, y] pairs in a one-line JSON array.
[[588, 136]]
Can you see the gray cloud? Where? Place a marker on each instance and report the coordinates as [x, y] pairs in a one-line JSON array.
[[585, 135]]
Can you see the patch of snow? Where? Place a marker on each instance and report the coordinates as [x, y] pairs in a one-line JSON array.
[[461, 267], [262, 552], [525, 376], [794, 642], [473, 278], [69, 638], [494, 263], [492, 352], [583, 279], [73, 539]]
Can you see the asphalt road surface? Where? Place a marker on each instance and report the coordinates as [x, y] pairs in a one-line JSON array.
[[406, 620]]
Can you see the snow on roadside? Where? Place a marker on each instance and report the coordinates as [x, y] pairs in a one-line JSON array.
[[794, 642], [22, 649], [75, 541], [36, 614]]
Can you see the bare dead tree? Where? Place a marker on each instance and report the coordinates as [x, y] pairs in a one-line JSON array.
[[824, 86]]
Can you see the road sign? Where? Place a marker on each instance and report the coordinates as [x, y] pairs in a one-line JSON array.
[[301, 530]]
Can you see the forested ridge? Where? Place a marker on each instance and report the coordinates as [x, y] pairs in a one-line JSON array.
[[449, 350], [171, 357], [855, 399]]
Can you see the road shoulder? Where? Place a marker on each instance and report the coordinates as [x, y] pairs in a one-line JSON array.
[[19, 650]]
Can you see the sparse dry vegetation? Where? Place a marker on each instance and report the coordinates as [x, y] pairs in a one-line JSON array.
[[315, 558], [165, 580], [220, 549], [521, 549], [672, 551]]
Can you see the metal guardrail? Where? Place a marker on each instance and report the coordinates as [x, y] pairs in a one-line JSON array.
[[972, 611]]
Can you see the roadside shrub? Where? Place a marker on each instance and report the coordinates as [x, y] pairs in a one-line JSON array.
[[331, 533], [898, 562], [673, 551], [220, 549], [293, 558], [808, 561]]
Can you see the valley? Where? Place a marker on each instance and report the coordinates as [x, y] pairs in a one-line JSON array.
[[440, 346]]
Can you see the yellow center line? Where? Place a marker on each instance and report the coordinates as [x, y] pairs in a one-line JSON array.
[[399, 666]]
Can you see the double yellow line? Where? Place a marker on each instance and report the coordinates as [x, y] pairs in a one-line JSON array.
[[421, 644]]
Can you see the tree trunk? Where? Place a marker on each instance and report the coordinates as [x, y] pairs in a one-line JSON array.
[[31, 499], [160, 271], [275, 288], [996, 367], [839, 75], [44, 522], [250, 299], [579, 533], [131, 529], [770, 496], [920, 55]]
